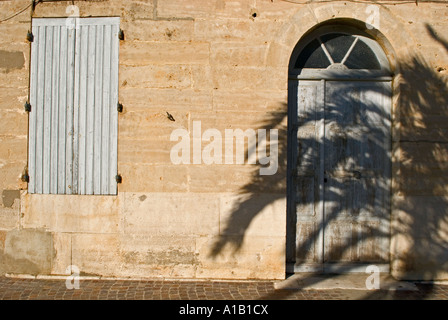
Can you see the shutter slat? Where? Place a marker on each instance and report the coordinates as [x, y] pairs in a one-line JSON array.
[[105, 175], [98, 134], [113, 135], [82, 113], [90, 109], [69, 137], [39, 110], [46, 171], [76, 108], [54, 114], [62, 116]]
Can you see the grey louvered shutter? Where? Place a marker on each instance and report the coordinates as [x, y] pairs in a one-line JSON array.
[[73, 121]]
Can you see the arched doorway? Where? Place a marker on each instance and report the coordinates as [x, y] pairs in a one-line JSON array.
[[339, 163]]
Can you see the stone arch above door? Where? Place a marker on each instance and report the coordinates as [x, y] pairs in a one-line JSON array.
[[336, 52], [392, 35]]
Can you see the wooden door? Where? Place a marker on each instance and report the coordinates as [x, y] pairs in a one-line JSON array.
[[341, 175]]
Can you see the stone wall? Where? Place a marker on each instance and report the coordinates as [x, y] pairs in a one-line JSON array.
[[14, 77], [224, 63]]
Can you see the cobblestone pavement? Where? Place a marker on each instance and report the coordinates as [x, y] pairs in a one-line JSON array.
[[50, 289]]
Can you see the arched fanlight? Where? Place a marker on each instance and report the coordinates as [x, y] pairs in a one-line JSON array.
[[340, 51]]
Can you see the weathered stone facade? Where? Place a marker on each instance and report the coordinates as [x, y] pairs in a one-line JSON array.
[[224, 63]]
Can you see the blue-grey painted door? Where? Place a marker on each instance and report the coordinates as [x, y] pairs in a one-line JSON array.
[[339, 174]]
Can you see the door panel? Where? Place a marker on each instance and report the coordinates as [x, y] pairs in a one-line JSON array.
[[307, 173], [357, 161], [341, 172]]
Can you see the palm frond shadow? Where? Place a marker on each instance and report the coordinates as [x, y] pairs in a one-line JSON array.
[[419, 123], [254, 193]]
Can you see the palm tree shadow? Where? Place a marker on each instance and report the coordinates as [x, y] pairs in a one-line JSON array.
[[422, 112], [423, 174], [253, 195]]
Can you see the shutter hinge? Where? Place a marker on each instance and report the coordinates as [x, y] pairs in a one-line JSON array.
[[30, 36], [119, 107], [27, 107], [121, 35], [25, 177], [118, 178]]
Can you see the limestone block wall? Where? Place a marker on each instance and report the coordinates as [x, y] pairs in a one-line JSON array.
[[223, 63], [14, 80]]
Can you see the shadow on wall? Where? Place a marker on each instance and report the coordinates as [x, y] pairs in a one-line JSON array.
[[244, 212], [423, 168], [421, 177]]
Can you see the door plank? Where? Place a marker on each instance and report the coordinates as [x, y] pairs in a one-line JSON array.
[[357, 164]]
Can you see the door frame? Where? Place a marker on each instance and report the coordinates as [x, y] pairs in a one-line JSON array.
[[294, 76]]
